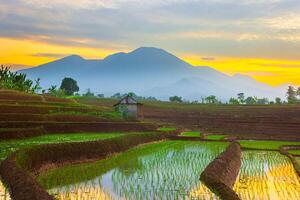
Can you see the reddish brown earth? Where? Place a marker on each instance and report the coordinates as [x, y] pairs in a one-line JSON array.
[[278, 122], [248, 122], [26, 115], [221, 173], [17, 171]]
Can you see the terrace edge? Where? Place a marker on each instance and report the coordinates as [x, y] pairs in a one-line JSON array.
[[220, 175], [19, 174]]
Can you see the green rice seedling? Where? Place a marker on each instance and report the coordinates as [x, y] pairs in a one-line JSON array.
[[265, 144], [267, 175], [6, 147], [215, 137], [162, 170], [167, 129], [191, 134]]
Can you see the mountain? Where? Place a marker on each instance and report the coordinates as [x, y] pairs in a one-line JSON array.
[[151, 72]]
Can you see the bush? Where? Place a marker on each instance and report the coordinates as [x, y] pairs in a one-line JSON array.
[[17, 81]]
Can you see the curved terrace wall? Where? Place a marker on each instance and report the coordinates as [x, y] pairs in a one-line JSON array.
[[18, 170], [22, 130], [284, 150], [220, 175]]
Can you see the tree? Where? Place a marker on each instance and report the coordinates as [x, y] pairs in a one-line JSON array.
[[251, 100], [298, 91], [88, 93], [17, 81], [176, 99], [278, 100], [263, 101], [211, 99], [241, 97], [53, 91], [69, 85], [291, 95], [233, 101]]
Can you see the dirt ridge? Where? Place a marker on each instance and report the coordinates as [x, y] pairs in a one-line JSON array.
[[17, 171], [220, 175]]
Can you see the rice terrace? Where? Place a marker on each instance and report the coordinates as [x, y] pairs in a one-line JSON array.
[[81, 148], [149, 100]]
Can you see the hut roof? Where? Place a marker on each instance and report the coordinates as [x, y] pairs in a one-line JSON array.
[[128, 100]]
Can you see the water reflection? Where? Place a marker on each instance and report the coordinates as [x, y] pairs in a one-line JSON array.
[[4, 195], [267, 175], [170, 170]]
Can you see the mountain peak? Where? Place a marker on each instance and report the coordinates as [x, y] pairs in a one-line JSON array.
[[72, 57]]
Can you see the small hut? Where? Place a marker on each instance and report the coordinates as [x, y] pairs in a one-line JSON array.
[[128, 106]]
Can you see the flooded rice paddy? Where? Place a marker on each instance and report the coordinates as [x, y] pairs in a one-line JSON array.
[[170, 170], [267, 175], [164, 170]]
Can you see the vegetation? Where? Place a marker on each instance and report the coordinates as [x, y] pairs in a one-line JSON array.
[[167, 129], [7, 147], [295, 152], [176, 99], [265, 144], [191, 134], [88, 93], [17, 81], [69, 85], [139, 173], [54, 91], [266, 174], [292, 94], [215, 137]]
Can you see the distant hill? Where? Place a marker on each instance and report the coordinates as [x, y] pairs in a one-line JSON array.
[[149, 71]]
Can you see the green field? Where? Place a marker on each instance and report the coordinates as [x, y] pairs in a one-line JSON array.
[[6, 147], [295, 152], [162, 170], [265, 144], [167, 129], [215, 137], [191, 134]]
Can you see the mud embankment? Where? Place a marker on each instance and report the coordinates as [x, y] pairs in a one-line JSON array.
[[21, 130], [19, 169], [220, 175], [284, 150]]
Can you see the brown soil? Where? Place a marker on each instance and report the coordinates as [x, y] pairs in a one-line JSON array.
[[246, 122], [220, 175], [18, 175]]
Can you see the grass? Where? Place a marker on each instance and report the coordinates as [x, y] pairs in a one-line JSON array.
[[215, 137], [167, 129], [163, 169], [265, 144], [191, 134], [112, 115], [295, 152], [6, 147]]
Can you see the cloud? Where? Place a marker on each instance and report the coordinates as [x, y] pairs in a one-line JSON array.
[[209, 27], [208, 58], [49, 55]]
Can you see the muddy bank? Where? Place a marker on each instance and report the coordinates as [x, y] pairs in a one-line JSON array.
[[21, 130], [284, 150], [10, 134], [18, 170], [220, 175]]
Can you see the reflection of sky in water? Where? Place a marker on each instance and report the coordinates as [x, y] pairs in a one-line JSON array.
[[172, 172], [267, 175], [4, 195]]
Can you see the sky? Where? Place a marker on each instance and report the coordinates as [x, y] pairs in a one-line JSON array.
[[259, 38]]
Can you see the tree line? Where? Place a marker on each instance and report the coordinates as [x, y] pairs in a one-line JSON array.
[[69, 87]]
